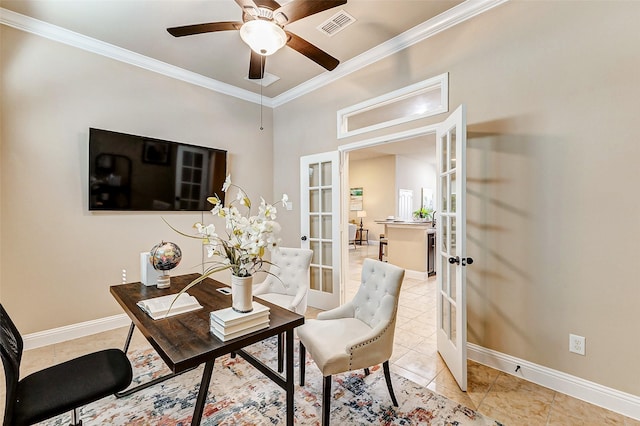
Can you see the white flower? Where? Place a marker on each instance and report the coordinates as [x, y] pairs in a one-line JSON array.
[[208, 231], [247, 236], [227, 183], [211, 249], [267, 210]]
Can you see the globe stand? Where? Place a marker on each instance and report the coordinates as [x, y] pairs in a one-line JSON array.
[[164, 257], [164, 281]]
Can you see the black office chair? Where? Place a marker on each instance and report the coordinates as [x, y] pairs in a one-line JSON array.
[[60, 388]]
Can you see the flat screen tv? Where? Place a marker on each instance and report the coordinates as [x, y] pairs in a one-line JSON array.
[[137, 173]]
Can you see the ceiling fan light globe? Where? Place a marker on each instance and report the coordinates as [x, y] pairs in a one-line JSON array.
[[263, 37]]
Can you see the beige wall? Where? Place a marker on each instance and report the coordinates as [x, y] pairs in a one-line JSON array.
[[376, 176], [414, 173], [552, 93], [551, 90], [58, 260]]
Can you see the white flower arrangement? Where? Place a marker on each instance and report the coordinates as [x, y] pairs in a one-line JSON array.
[[247, 237]]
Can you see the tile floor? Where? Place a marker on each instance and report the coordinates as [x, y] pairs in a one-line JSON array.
[[504, 397]]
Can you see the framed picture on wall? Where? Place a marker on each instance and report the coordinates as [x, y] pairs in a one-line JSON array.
[[355, 199], [156, 152]]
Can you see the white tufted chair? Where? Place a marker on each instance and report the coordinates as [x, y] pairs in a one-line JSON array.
[[287, 284], [353, 231], [359, 333]]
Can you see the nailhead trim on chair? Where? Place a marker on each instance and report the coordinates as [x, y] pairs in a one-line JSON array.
[[393, 319]]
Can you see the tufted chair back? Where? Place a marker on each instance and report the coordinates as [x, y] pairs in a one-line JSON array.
[[289, 276], [364, 327], [376, 305], [376, 301], [358, 334]]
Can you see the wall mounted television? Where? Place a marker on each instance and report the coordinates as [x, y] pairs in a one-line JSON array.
[[137, 173]]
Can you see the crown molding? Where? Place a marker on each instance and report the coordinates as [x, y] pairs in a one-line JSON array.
[[445, 20], [420, 32], [71, 38]]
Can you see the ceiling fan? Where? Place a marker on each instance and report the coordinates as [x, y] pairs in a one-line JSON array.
[[262, 28]]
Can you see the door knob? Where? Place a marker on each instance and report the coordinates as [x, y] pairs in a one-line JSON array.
[[465, 260], [304, 238]]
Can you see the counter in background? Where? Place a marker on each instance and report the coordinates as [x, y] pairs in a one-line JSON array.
[[411, 245]]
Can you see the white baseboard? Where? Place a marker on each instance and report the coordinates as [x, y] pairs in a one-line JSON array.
[[73, 331], [611, 399], [416, 275]]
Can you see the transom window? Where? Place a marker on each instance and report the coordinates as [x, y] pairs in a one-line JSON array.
[[420, 100]]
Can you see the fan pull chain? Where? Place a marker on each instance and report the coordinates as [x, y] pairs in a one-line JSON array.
[[261, 82]]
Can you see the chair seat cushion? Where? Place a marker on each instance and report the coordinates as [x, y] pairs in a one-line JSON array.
[[63, 387], [327, 340], [283, 300]]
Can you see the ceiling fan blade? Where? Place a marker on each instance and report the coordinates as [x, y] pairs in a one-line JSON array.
[[318, 56], [256, 66], [204, 28], [302, 8], [269, 4]]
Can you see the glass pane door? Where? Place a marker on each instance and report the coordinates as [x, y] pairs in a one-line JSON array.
[[320, 226], [450, 262]]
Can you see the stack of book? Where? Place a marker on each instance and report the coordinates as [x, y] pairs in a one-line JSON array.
[[227, 324]]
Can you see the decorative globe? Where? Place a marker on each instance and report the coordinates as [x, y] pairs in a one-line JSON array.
[[165, 256]]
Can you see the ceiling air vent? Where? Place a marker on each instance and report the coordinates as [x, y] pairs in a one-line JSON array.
[[267, 79], [336, 23]]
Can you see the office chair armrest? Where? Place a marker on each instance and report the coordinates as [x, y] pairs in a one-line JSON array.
[[345, 311]]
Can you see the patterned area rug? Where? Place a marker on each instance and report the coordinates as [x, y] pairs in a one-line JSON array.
[[241, 395]]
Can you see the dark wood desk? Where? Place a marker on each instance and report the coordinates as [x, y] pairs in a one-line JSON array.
[[184, 341]]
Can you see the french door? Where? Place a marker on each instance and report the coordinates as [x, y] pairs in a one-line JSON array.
[[320, 226], [451, 138]]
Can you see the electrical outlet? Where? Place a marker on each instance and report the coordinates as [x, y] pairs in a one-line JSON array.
[[124, 276], [576, 344]]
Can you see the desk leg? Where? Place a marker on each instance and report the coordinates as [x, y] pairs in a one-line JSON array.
[[129, 336], [202, 393], [149, 383], [290, 379]]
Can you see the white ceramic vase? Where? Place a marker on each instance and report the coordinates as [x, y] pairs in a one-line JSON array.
[[241, 293]]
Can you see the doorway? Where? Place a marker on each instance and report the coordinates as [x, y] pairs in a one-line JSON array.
[[372, 166], [451, 328], [415, 354]]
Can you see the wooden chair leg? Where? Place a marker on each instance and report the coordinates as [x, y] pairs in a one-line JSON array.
[[387, 377], [303, 358], [326, 400], [280, 353]]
